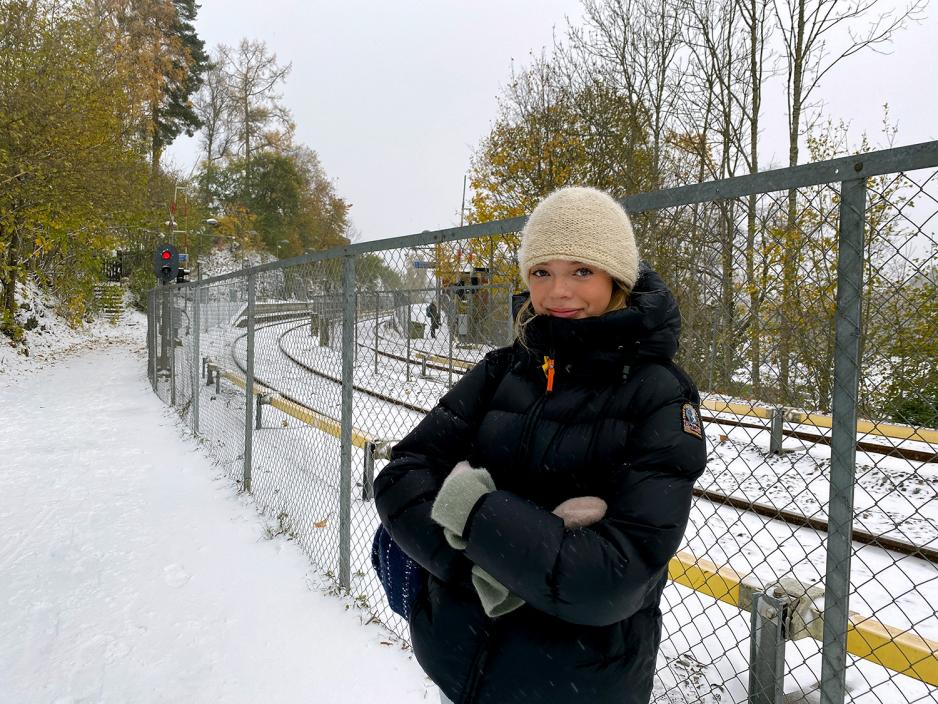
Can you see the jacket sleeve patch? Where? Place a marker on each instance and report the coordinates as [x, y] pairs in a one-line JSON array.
[[690, 420]]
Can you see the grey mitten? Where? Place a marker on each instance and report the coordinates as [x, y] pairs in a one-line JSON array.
[[459, 494], [581, 511], [496, 599]]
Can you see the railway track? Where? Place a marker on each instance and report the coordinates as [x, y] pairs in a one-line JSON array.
[[771, 512], [460, 367]]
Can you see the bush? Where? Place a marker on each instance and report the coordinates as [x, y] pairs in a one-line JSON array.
[[140, 282], [916, 411], [11, 328]]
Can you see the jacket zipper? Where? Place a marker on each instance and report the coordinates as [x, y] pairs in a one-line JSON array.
[[549, 372], [478, 665]]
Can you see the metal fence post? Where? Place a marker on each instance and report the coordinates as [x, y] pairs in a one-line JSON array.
[[368, 473], [767, 650], [249, 385], [204, 298], [843, 439], [151, 337], [196, 386], [162, 363], [470, 314], [451, 328], [171, 336], [407, 338], [345, 479], [776, 436], [511, 320], [377, 308]]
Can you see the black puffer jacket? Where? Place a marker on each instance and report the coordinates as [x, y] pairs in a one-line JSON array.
[[621, 423]]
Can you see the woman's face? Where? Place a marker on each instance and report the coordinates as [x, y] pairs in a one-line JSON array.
[[568, 289]]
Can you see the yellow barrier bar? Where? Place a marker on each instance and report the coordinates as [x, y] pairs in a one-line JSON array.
[[897, 650], [740, 409], [701, 575], [866, 427], [300, 412], [320, 422], [867, 638], [239, 381], [445, 360]]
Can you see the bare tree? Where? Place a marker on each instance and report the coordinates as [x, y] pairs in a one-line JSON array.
[[754, 16], [717, 98], [635, 46], [214, 107], [253, 78], [806, 27]]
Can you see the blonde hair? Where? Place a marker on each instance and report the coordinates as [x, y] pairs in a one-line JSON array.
[[618, 301]]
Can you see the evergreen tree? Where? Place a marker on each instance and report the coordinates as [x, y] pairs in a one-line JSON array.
[[176, 113]]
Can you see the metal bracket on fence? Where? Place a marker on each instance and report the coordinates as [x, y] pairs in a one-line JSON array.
[[368, 473], [262, 400], [805, 619], [213, 375], [790, 613], [324, 324], [374, 450], [775, 437], [767, 650], [776, 430]]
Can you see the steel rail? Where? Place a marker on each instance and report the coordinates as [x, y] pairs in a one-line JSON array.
[[818, 524], [786, 516], [868, 447], [790, 517]]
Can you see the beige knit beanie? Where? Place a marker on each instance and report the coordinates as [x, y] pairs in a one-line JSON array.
[[584, 225]]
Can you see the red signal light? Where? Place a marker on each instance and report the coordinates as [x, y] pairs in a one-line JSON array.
[[166, 255]]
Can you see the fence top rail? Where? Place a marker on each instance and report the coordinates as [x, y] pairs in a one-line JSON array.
[[886, 161]]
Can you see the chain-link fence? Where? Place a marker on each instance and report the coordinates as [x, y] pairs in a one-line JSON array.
[[810, 322]]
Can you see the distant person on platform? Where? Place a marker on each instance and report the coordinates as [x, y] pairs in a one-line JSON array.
[[433, 312]]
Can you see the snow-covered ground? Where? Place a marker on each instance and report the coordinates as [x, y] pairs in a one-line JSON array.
[[705, 651], [133, 571], [52, 340], [151, 579]]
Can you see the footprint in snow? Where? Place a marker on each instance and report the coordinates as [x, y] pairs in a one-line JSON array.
[[175, 576]]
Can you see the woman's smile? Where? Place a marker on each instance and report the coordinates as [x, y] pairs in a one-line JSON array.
[[565, 312]]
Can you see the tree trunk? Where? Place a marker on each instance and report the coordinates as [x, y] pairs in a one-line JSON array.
[[792, 247], [156, 148], [755, 328], [9, 276]]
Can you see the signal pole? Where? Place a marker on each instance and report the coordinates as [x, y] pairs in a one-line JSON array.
[[166, 268]]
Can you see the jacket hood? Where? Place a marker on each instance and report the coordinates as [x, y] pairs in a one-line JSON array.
[[648, 328]]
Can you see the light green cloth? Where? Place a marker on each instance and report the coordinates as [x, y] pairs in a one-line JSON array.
[[458, 496], [495, 598]]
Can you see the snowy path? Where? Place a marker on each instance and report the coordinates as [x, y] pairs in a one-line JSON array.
[[133, 572]]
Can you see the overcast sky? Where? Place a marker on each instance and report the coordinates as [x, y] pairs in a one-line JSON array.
[[394, 96]]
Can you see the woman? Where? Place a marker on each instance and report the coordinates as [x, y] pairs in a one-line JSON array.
[[547, 491]]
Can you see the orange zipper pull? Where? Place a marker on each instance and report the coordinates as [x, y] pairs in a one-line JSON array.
[[549, 371]]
